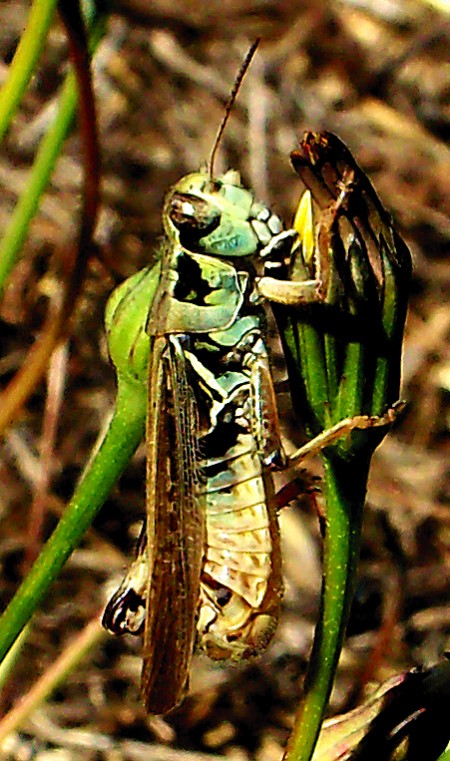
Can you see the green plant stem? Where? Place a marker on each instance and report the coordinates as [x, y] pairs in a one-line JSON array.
[[8, 663], [304, 354], [124, 434], [49, 149], [27, 205], [345, 486], [24, 61]]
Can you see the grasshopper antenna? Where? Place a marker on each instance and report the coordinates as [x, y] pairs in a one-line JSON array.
[[231, 100]]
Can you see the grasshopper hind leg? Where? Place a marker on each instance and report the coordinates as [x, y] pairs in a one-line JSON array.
[[344, 428], [125, 612]]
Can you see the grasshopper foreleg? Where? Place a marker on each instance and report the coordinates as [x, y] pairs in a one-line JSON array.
[[289, 292]]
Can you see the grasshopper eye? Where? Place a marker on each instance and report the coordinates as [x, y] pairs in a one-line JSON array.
[[212, 187], [193, 216]]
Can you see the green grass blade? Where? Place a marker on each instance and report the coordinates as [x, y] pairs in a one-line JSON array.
[[49, 150], [125, 432], [344, 500], [24, 61]]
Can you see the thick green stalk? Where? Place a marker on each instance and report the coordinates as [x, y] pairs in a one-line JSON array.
[[124, 434], [344, 494]]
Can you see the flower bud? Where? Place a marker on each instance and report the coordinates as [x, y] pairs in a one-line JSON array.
[[342, 341]]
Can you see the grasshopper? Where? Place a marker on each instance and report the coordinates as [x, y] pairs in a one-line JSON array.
[[207, 574], [208, 567]]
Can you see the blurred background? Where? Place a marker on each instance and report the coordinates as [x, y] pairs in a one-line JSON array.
[[378, 75]]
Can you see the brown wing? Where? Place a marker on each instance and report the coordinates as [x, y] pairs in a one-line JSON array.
[[175, 529]]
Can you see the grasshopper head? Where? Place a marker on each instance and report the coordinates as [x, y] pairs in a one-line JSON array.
[[218, 217]]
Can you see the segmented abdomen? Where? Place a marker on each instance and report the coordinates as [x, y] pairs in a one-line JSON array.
[[238, 532], [240, 584]]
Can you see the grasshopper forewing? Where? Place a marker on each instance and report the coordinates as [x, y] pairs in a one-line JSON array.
[[160, 593], [175, 529]]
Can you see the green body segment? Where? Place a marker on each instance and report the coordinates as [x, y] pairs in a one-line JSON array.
[[126, 317]]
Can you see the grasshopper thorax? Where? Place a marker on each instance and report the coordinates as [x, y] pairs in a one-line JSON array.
[[218, 217]]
